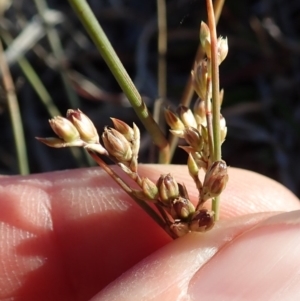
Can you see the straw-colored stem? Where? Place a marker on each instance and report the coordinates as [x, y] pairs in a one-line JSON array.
[[107, 52], [215, 82], [189, 90], [216, 156], [167, 220], [15, 116], [57, 50], [207, 103], [162, 48]]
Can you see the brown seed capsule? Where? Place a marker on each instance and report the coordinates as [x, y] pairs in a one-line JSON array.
[[167, 188], [202, 221], [215, 180], [84, 126], [117, 145], [181, 208], [194, 139]]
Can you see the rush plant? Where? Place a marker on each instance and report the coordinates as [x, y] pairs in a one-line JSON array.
[[203, 129]]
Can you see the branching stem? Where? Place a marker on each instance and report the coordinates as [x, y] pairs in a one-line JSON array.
[[216, 155]]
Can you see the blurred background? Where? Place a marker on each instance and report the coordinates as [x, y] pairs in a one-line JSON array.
[[55, 66]]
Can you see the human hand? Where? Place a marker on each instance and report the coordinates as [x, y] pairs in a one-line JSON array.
[[66, 235]]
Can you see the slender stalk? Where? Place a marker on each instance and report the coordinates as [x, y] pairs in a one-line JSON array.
[[209, 117], [152, 213], [168, 222], [215, 82], [106, 50], [57, 50], [162, 48], [216, 156], [15, 115], [188, 92]]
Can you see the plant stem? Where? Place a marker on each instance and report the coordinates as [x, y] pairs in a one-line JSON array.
[[106, 50], [15, 115], [208, 106], [162, 48], [189, 90], [216, 156]]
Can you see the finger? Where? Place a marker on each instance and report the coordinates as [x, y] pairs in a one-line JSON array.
[[73, 232], [69, 234], [254, 257]]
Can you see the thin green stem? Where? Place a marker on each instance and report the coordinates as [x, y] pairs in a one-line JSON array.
[[106, 50], [216, 156], [15, 115]]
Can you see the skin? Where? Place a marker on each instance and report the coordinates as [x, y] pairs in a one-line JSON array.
[[75, 235]]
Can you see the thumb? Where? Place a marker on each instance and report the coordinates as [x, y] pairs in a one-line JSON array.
[[253, 257]]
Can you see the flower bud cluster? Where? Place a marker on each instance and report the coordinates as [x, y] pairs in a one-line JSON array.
[[195, 127], [174, 199], [222, 44], [75, 130], [122, 143], [192, 127]]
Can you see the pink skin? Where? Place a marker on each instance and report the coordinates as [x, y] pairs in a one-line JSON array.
[[69, 236]]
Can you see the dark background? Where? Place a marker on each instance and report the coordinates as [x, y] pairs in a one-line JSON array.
[[260, 76]]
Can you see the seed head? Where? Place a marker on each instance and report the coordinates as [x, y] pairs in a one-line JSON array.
[[205, 39], [117, 145], [215, 180], [173, 120], [202, 221], [199, 79], [84, 126], [167, 188], [123, 128], [64, 129], [186, 116], [149, 188], [182, 208], [193, 138], [222, 45]]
